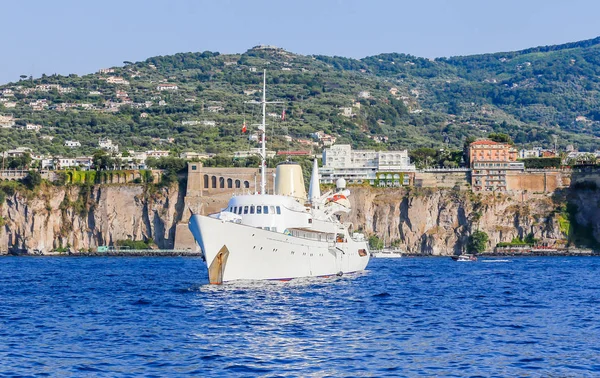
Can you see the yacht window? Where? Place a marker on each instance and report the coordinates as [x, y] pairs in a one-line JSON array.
[[245, 209], [258, 209], [234, 209], [252, 209], [272, 209], [278, 210], [239, 210], [266, 209]]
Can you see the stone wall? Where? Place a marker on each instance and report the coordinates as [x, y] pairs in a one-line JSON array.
[[538, 182], [443, 179]]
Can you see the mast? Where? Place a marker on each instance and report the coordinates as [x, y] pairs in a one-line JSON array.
[[263, 128], [263, 151]]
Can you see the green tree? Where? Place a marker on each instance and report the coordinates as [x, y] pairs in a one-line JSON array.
[[375, 242], [101, 160], [32, 180], [423, 157], [501, 138], [477, 242]]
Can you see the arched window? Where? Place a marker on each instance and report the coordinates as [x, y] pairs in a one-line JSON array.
[[229, 183], [206, 182], [222, 182], [238, 184], [214, 181], [246, 184]]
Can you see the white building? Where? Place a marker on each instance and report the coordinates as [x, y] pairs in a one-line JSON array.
[[64, 163], [38, 105], [107, 144], [346, 111], [533, 153], [215, 109], [19, 151], [340, 161], [167, 87], [195, 155], [116, 80], [326, 139], [209, 123], [6, 122], [157, 153], [252, 152], [72, 143], [33, 127]]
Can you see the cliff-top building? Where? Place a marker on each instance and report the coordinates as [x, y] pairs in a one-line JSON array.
[[383, 168], [490, 161]]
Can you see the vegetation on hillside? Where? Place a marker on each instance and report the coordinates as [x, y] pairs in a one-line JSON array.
[[529, 95]]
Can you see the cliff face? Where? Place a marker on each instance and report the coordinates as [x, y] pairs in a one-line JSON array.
[[439, 222], [418, 220], [82, 217]]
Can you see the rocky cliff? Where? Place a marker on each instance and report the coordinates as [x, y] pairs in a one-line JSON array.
[[439, 222], [418, 220], [82, 218]]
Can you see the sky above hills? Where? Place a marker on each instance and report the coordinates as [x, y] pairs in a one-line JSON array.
[[72, 36]]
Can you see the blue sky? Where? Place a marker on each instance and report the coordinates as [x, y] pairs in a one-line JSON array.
[[80, 36]]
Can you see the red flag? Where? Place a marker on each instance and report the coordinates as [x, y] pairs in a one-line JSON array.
[[244, 129], [283, 115]]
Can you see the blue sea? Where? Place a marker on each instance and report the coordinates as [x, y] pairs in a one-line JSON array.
[[409, 317]]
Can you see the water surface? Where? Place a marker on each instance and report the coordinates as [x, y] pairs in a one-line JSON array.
[[404, 317]]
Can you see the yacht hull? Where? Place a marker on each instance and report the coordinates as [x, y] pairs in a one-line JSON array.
[[235, 251]]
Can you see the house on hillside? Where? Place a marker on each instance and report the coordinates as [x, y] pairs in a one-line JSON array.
[[108, 145], [167, 87], [215, 109], [72, 143], [157, 153], [116, 80], [17, 152], [6, 122], [32, 127], [346, 111], [39, 105], [195, 155]]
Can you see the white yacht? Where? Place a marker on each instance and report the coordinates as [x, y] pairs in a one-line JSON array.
[[283, 235]]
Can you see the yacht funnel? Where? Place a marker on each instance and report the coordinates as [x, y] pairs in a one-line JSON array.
[[314, 191], [289, 181]]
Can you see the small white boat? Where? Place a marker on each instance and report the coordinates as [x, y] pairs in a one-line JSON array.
[[387, 253], [464, 258]]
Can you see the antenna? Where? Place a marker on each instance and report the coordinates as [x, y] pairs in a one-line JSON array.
[[263, 129]]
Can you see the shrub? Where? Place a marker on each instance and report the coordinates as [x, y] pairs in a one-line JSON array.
[[375, 242], [477, 242], [32, 180]]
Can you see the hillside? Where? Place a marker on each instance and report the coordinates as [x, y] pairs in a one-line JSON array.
[[414, 102]]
